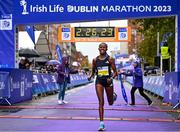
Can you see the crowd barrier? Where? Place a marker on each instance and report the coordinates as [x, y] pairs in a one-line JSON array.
[[167, 86], [78, 79], [15, 85], [43, 83], [172, 89], [155, 84], [18, 85]]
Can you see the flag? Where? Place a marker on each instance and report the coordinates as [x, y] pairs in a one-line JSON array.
[[30, 31], [59, 54], [123, 89]]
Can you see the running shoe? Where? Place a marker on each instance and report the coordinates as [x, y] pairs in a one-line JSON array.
[[60, 102], [65, 102], [101, 127]]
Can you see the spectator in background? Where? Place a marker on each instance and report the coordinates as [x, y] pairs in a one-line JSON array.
[[47, 68], [63, 78], [50, 69], [31, 66], [43, 69], [22, 64], [27, 63]]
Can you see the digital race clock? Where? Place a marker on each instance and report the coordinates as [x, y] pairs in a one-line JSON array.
[[94, 32]]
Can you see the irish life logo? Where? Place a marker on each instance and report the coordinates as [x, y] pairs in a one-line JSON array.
[[23, 3]]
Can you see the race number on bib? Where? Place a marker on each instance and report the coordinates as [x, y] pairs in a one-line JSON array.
[[103, 71]]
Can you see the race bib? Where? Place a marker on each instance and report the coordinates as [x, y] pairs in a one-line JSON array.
[[103, 71]]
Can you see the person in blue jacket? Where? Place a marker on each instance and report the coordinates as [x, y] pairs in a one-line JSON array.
[[137, 83]]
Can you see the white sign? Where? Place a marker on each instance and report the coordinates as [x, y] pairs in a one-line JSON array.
[[66, 34], [6, 24], [123, 33]]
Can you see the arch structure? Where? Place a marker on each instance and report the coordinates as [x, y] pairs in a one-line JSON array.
[[26, 12]]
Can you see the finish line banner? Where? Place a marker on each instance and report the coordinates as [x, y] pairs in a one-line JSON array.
[[39, 11], [63, 11]]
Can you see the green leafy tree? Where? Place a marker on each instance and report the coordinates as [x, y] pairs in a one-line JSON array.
[[149, 28]]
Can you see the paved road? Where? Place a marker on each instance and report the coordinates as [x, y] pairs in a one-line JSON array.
[[81, 114]]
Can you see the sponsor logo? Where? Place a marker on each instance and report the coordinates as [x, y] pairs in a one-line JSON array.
[[23, 3], [6, 22]]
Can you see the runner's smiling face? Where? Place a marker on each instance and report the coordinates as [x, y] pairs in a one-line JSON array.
[[102, 49]]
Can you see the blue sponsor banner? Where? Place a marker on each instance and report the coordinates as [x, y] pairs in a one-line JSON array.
[[77, 79], [4, 85], [39, 11], [30, 31], [59, 54], [20, 84], [43, 83], [7, 46], [171, 93], [123, 89], [154, 84], [36, 87]]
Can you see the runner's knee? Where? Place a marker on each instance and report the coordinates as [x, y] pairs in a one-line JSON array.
[[101, 103]]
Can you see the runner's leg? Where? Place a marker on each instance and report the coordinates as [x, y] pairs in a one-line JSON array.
[[100, 95], [109, 92]]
